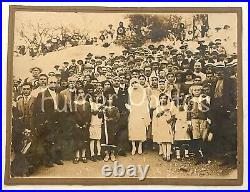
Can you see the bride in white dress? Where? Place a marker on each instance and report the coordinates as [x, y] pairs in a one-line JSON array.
[[139, 117]]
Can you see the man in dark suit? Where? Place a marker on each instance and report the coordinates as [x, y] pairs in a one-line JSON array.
[[211, 82], [188, 61], [223, 113], [48, 109], [23, 129], [25, 105], [65, 70], [121, 91], [69, 95], [178, 60]]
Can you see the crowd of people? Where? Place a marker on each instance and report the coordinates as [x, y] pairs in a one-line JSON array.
[[105, 38], [179, 102]]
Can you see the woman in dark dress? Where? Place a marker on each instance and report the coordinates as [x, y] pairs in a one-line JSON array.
[[82, 118], [111, 117]]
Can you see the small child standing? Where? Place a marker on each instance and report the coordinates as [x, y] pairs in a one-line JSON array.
[[161, 127], [111, 117], [181, 136], [197, 116], [95, 129]]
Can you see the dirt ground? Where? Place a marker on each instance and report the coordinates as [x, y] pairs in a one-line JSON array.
[[158, 168]]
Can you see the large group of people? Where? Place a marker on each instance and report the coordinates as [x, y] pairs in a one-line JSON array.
[[106, 37], [174, 100]]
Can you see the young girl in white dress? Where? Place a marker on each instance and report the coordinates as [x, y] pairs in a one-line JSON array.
[[95, 129], [162, 127], [139, 117], [181, 136]]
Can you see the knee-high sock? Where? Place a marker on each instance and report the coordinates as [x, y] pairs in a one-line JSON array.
[[133, 145], [78, 153], [83, 152], [107, 153], [160, 148], [164, 149], [140, 145], [98, 145], [169, 149], [201, 147], [92, 147], [198, 147]]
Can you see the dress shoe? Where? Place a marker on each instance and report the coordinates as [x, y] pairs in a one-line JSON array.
[[59, 162], [93, 158], [164, 158], [106, 158], [76, 160], [168, 158], [84, 159], [112, 157], [99, 157]]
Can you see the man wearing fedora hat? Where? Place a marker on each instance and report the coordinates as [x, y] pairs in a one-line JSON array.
[[35, 71]]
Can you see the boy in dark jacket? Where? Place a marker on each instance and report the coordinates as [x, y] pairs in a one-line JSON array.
[[198, 108]]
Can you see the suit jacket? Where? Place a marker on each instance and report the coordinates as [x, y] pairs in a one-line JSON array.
[[82, 115], [178, 63], [25, 112], [228, 100], [190, 63], [45, 107], [20, 106], [64, 73], [212, 84], [121, 99]]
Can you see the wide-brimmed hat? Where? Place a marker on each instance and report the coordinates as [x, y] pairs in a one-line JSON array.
[[189, 51], [219, 66], [189, 72], [151, 47], [32, 68]]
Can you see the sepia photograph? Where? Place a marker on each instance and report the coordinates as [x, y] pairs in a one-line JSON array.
[[100, 95]]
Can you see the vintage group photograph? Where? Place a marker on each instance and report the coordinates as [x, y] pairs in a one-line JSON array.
[[124, 93]]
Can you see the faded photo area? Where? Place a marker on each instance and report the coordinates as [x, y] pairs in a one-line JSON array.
[[98, 95]]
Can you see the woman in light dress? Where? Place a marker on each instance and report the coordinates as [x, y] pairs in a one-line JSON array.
[[181, 136], [139, 118], [162, 127], [95, 129]]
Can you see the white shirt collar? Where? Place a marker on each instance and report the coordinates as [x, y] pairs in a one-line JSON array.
[[122, 86], [27, 98], [116, 89], [53, 95]]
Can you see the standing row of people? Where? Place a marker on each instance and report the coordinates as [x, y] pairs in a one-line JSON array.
[[107, 106]]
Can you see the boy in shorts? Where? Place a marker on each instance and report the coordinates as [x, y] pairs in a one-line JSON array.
[[198, 108]]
